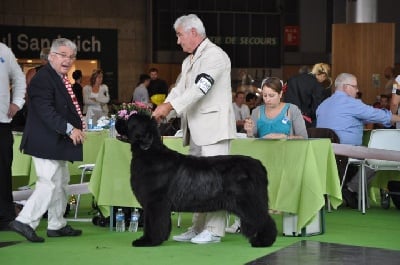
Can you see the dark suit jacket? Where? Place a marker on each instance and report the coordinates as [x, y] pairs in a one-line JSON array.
[[306, 92], [50, 108]]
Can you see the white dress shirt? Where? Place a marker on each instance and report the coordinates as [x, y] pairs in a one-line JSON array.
[[241, 112]]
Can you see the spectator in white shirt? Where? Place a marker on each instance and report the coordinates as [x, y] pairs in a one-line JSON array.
[[11, 101], [241, 110]]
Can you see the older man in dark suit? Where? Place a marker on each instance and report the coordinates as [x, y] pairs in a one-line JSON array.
[[53, 135]]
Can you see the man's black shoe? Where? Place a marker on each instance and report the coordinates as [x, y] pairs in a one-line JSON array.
[[25, 231], [65, 231], [351, 198]]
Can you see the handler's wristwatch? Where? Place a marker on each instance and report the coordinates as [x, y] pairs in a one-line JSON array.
[[70, 132]]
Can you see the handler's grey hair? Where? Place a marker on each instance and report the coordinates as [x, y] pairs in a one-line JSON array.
[[187, 22]]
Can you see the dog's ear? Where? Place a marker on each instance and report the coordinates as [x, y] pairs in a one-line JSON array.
[[122, 127], [139, 131]]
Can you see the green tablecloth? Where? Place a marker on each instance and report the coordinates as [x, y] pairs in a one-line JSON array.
[[300, 172], [23, 165]]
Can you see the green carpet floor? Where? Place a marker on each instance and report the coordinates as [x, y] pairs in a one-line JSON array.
[[378, 228]]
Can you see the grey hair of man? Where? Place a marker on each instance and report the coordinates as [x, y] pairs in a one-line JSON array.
[[44, 54], [57, 43], [188, 22], [343, 79]]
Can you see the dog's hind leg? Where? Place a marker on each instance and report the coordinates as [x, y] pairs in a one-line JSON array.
[[157, 225]]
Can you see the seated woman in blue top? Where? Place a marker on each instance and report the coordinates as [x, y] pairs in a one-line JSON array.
[[275, 119]]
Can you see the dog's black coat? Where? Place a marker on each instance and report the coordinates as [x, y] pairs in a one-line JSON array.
[[164, 180]]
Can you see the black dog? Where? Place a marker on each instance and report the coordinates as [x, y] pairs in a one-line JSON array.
[[164, 180]]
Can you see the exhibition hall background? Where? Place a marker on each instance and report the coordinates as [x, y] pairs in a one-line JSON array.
[[126, 37]]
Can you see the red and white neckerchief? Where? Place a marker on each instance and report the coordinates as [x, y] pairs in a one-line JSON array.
[[74, 100]]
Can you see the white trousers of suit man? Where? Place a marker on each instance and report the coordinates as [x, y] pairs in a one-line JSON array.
[[214, 222], [50, 194]]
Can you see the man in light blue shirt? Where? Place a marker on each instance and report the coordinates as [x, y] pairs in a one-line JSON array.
[[346, 115]]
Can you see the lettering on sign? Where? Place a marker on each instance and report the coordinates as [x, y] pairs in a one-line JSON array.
[[25, 42], [262, 41]]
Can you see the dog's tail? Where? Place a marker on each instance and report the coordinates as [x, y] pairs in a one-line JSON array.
[[266, 236]]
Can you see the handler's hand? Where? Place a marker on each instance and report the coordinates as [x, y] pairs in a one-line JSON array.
[[12, 110], [162, 111], [77, 136]]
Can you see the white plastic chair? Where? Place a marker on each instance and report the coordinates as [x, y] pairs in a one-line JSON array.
[[387, 139], [85, 169], [354, 161]]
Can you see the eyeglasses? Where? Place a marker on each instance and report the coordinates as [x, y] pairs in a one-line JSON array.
[[354, 86], [64, 56]]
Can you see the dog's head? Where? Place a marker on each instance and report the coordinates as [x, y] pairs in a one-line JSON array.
[[140, 130]]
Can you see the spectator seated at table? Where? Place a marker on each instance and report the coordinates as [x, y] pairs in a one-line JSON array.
[[383, 103], [251, 101], [241, 110], [275, 119], [347, 115]]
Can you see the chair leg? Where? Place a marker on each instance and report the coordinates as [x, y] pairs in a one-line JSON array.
[[362, 190], [344, 176], [179, 220], [328, 203], [78, 200], [111, 218]]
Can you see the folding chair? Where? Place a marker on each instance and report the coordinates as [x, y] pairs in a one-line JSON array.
[[86, 168], [387, 139]]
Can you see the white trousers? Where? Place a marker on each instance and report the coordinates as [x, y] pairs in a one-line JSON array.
[[50, 194], [214, 222]]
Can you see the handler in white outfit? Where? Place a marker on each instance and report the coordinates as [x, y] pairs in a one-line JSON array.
[[203, 99]]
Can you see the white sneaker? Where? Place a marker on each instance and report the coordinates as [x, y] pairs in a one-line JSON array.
[[234, 228], [185, 237], [205, 237]]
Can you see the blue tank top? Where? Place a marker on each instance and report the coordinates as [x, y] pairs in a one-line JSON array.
[[279, 124]]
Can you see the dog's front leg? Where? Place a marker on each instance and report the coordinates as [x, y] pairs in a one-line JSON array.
[[157, 225]]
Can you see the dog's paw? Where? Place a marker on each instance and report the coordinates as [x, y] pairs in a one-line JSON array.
[[145, 242]]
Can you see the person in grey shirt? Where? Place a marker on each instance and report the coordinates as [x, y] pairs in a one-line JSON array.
[[141, 94]]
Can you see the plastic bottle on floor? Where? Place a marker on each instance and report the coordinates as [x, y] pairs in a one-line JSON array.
[[120, 221], [133, 226]]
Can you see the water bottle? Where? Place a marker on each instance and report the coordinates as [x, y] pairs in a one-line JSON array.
[[112, 126], [89, 119], [90, 124], [120, 221], [133, 226]]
